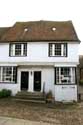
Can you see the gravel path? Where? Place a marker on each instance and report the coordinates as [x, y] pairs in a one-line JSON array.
[[58, 114]]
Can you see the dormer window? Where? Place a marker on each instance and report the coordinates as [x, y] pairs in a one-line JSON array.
[[53, 28], [18, 49], [58, 49], [26, 29]]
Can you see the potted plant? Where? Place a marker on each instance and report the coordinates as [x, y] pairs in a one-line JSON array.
[[49, 96]]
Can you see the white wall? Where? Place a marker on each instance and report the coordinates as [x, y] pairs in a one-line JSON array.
[[47, 78], [38, 52], [66, 93], [13, 87], [60, 92]]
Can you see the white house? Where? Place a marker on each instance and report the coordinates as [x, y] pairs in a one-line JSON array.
[[40, 55]]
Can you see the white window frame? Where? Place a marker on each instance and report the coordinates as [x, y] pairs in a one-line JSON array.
[[63, 50], [18, 49], [12, 75], [72, 75], [12, 49]]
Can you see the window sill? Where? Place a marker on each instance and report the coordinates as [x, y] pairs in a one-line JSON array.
[[8, 83], [18, 56], [57, 56], [66, 84]]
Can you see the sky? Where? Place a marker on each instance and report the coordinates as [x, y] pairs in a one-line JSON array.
[[55, 10]]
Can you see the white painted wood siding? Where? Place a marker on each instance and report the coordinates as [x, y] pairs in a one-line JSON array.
[[38, 52]]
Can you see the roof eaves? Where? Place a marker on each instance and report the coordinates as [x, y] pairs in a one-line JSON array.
[[40, 40]]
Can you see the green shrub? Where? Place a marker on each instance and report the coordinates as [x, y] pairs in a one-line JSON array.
[[5, 93], [81, 82]]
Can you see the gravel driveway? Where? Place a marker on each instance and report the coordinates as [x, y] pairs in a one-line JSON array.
[[58, 114]]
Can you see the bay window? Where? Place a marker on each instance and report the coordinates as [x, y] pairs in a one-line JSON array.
[[65, 75], [8, 74]]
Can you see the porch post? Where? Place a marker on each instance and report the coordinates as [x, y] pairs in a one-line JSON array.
[[30, 89]]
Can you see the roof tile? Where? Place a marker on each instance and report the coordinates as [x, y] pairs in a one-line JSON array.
[[41, 31]]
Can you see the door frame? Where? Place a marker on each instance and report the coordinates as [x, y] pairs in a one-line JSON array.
[[31, 78]]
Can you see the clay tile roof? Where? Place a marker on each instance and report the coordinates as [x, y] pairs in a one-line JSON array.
[[41, 31], [3, 30]]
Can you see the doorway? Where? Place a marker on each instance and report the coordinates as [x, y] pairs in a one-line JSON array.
[[37, 80], [24, 80]]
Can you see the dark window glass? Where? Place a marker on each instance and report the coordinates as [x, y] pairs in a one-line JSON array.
[[17, 49], [57, 49]]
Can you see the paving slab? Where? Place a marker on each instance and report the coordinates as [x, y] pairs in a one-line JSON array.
[[14, 121], [2, 121]]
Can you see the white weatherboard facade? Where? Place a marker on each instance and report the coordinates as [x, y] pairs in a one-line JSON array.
[[38, 52], [38, 59]]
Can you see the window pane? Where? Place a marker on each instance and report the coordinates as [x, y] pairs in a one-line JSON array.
[[57, 75], [17, 49], [11, 50], [0, 73], [25, 49], [15, 74], [65, 50], [58, 49], [65, 75], [73, 75], [9, 74], [51, 54]]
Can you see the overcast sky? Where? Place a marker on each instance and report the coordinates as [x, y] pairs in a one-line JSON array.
[[30, 10]]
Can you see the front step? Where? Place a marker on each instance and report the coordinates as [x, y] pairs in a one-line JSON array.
[[30, 93], [30, 97], [32, 101]]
